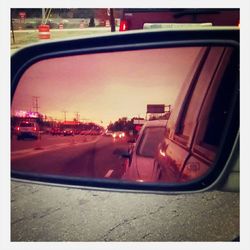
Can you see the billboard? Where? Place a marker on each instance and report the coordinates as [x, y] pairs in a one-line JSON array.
[[155, 108]]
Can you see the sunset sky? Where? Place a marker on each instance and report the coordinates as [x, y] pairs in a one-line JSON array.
[[104, 87]]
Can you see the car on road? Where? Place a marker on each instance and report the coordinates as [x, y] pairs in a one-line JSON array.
[[76, 132], [94, 132], [195, 129], [118, 135], [133, 19], [27, 129], [68, 131], [108, 133], [85, 132], [56, 131], [139, 165]]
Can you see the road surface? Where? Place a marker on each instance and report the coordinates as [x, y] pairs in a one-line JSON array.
[[49, 213], [86, 156]]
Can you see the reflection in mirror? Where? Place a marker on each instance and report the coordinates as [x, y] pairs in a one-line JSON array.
[[116, 115]]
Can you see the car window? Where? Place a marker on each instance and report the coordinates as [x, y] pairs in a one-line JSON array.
[[221, 107], [217, 106], [188, 120], [150, 140], [24, 124]]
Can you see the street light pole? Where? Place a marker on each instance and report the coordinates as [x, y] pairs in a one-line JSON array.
[[43, 14], [112, 20], [65, 112], [12, 31]]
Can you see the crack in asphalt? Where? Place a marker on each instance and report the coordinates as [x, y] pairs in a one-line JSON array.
[[127, 221], [144, 236], [18, 220], [49, 211]]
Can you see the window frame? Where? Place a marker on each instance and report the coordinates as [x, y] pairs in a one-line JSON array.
[[143, 136], [199, 147], [186, 141]]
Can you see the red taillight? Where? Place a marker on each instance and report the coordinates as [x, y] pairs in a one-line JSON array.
[[34, 129], [123, 25], [18, 128], [138, 127]]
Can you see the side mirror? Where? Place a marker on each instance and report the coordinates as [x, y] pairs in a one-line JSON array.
[[193, 71]]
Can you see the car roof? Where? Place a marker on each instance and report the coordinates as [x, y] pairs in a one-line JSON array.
[[155, 123], [185, 27]]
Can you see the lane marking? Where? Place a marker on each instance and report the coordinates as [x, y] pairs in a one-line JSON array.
[[108, 174]]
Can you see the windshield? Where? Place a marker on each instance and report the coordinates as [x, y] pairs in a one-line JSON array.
[[150, 140], [24, 124]]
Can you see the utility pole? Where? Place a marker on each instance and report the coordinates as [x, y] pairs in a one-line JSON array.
[[65, 112], [77, 116], [112, 20], [12, 31], [35, 103], [43, 14]]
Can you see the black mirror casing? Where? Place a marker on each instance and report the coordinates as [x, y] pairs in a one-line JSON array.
[[225, 174]]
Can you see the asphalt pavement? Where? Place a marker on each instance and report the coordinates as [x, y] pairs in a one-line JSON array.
[[85, 156], [50, 213]]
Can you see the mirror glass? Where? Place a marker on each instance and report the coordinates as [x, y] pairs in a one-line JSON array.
[[113, 115]]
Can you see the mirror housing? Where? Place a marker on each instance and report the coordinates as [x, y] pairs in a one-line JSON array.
[[25, 58]]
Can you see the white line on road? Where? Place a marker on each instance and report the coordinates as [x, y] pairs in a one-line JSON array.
[[109, 173]]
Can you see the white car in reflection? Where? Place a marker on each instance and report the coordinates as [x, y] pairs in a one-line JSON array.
[[27, 129], [139, 165], [108, 133]]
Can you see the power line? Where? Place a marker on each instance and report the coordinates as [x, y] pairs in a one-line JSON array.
[[77, 116], [35, 103]]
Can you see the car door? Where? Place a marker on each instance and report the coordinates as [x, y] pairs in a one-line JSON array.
[[215, 112], [177, 146]]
